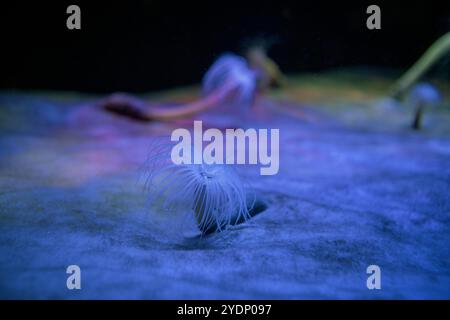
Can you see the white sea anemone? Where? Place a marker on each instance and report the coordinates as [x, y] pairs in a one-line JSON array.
[[231, 76], [215, 194]]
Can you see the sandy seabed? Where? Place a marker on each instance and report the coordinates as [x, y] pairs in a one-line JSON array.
[[356, 187]]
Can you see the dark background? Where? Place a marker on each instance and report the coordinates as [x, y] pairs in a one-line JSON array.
[[148, 45]]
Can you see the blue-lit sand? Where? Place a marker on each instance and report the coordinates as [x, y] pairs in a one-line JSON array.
[[356, 187]]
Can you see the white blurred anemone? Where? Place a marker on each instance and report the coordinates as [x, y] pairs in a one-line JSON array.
[[421, 96], [215, 194], [424, 93], [228, 82], [231, 76]]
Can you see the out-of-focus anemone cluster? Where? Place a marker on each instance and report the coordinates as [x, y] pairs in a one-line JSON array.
[[232, 78], [228, 82], [215, 194], [424, 93]]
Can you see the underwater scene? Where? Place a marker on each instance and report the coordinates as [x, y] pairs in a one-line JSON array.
[[266, 150]]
